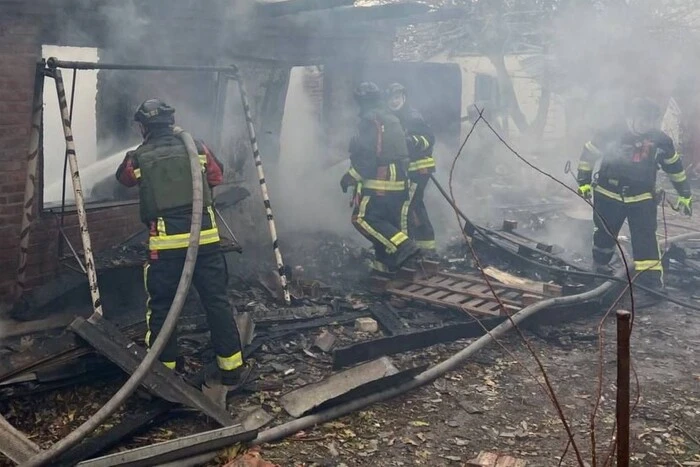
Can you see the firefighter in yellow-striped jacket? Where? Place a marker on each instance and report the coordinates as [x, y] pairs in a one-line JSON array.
[[420, 141], [630, 155], [160, 167], [379, 159]]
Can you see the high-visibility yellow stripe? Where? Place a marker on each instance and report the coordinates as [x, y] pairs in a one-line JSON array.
[[425, 163], [173, 242], [585, 166], [212, 217], [137, 173], [678, 177], [592, 148], [360, 219], [626, 199], [672, 160], [406, 205], [170, 365], [648, 265], [354, 174], [426, 244], [424, 142], [399, 238], [384, 185], [230, 363], [161, 227], [392, 172]]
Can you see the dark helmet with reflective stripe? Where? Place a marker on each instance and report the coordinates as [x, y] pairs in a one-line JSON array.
[[155, 112], [367, 91], [395, 88], [643, 107]]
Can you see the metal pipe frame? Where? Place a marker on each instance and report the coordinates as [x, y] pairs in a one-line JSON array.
[[53, 62], [263, 188], [77, 191], [225, 73]]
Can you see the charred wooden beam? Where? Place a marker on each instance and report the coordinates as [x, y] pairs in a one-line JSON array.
[[107, 339], [129, 426], [369, 350], [387, 317]]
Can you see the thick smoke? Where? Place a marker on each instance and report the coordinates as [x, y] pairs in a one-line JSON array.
[[306, 191], [597, 57]]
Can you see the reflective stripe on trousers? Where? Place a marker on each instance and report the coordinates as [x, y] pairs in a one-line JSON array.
[[391, 245], [231, 362]]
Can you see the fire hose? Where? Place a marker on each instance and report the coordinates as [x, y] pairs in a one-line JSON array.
[[46, 456], [433, 373]]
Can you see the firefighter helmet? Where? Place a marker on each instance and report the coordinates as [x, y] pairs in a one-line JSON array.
[[367, 91], [155, 112], [395, 88]]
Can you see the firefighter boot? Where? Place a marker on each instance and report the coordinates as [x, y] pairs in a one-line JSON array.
[[406, 251]]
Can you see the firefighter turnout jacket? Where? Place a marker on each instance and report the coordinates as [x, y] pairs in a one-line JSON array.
[[420, 141], [629, 163], [161, 168], [378, 153]]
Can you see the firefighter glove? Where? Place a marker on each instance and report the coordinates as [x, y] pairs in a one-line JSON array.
[[585, 191], [346, 182], [684, 205]]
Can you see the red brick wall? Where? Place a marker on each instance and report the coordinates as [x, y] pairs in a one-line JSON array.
[[181, 31], [20, 49]]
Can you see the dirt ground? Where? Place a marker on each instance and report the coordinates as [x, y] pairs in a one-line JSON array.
[[494, 403]]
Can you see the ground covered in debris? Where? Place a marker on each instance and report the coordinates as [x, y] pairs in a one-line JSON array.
[[494, 403]]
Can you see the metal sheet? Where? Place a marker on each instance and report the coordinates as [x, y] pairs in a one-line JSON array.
[[168, 451], [304, 399]]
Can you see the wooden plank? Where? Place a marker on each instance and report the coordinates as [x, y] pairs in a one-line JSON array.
[[369, 350], [129, 426], [14, 444], [48, 351], [525, 285], [473, 293], [433, 301], [107, 339]]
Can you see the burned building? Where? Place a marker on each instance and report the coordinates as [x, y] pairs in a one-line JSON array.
[[264, 40]]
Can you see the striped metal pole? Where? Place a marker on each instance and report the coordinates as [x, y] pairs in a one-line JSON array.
[[263, 188], [30, 188], [78, 192]]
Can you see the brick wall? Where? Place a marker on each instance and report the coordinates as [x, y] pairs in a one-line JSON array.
[[171, 31], [19, 51]]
